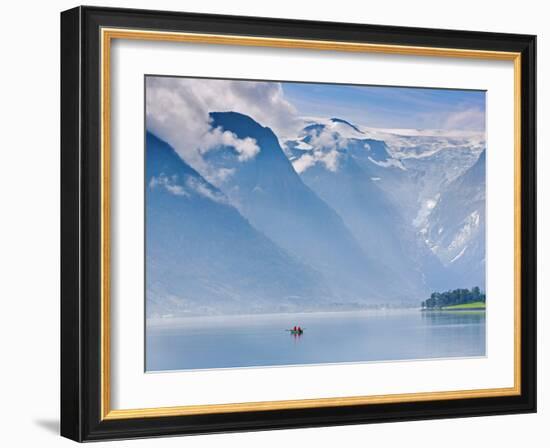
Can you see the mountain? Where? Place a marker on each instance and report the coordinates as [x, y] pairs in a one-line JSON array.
[[456, 226], [318, 142], [370, 216], [339, 217], [357, 176], [272, 196], [432, 173], [441, 191], [204, 257]]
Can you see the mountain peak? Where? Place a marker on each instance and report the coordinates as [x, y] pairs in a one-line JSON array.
[[241, 125], [314, 127], [161, 155], [339, 120]]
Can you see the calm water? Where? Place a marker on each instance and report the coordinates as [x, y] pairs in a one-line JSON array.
[[246, 341]]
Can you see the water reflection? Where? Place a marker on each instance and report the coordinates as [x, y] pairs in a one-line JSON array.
[[296, 336], [238, 341], [454, 317]]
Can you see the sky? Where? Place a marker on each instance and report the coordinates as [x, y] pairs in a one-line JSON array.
[[178, 110], [391, 107]]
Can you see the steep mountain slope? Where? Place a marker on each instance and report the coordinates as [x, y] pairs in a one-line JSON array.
[[342, 217], [432, 174], [370, 216], [456, 226], [271, 195], [357, 177], [203, 257]]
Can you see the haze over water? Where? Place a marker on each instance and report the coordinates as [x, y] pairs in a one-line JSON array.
[[363, 336]]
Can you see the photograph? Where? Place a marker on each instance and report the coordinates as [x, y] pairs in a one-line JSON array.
[[301, 223], [282, 223]]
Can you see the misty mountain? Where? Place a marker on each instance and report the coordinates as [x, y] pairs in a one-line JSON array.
[[357, 176], [340, 216], [203, 257], [272, 196], [456, 226]]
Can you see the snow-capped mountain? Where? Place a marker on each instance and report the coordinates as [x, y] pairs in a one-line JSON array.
[[331, 169], [268, 191], [456, 226], [203, 257], [401, 178], [340, 215]]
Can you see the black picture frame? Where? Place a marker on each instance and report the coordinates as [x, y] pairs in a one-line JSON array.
[[81, 224]]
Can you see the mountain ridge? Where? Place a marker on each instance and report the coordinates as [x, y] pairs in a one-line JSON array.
[[330, 219]]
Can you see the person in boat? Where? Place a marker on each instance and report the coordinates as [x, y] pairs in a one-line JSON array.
[[294, 329]]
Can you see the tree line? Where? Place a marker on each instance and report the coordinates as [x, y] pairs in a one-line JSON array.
[[454, 297]]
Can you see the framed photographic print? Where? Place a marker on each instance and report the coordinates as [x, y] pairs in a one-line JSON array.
[[274, 223]]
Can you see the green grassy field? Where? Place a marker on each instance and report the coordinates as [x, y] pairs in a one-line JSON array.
[[466, 306]]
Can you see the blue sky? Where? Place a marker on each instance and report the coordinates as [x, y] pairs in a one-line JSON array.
[[178, 108], [391, 107]]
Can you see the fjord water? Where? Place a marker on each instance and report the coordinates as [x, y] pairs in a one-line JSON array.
[[338, 337]]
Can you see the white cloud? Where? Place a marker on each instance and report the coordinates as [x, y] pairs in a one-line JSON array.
[[467, 119], [219, 176], [303, 163], [170, 184], [192, 185], [327, 158], [247, 148], [204, 190], [324, 147], [330, 159], [177, 111], [328, 139]]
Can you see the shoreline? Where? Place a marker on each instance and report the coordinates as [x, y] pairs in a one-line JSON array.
[[154, 321], [452, 310]]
